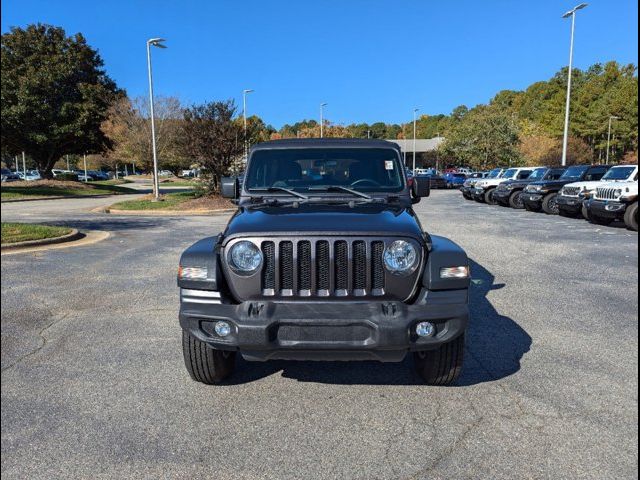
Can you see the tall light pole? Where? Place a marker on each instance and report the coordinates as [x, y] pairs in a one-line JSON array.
[[24, 166], [86, 179], [611, 117], [244, 117], [415, 110], [565, 140], [156, 42], [322, 105]]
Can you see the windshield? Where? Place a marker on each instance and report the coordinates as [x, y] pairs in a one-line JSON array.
[[619, 173], [510, 173], [574, 173], [537, 174], [301, 169], [554, 174], [495, 173]]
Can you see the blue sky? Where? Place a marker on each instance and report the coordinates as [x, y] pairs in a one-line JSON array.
[[369, 60]]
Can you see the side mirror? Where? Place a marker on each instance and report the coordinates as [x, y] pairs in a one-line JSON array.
[[229, 187], [421, 188]]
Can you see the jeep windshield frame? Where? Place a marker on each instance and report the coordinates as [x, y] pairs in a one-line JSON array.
[[326, 171]]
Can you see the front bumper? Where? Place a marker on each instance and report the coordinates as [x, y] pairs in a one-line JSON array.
[[569, 204], [502, 196], [383, 330], [607, 208], [477, 193], [533, 199]]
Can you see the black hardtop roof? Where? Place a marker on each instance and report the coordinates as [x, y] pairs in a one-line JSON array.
[[325, 143]]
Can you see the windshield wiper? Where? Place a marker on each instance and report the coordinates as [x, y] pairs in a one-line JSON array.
[[280, 189], [339, 188]]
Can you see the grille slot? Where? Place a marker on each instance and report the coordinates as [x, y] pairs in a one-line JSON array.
[[322, 261], [341, 266], [606, 193], [304, 266], [269, 266], [323, 268], [286, 267], [377, 269], [359, 265]]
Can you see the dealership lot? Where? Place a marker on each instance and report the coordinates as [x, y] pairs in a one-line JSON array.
[[93, 382]]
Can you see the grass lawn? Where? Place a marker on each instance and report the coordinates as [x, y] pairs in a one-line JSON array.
[[55, 188], [169, 202], [175, 201], [21, 232]]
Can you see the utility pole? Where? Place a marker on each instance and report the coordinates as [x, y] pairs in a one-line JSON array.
[[565, 140], [244, 116], [414, 137], [156, 42], [322, 105], [611, 117]]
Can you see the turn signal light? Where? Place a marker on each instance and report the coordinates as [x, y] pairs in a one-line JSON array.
[[192, 273], [454, 272]]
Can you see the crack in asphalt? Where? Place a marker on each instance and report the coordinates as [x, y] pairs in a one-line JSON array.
[[44, 340]]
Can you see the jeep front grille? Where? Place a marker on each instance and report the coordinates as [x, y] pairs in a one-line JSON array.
[[606, 193], [571, 191], [322, 268]]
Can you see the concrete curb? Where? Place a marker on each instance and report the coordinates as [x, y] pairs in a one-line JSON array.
[[69, 237], [163, 213], [63, 197], [88, 238]]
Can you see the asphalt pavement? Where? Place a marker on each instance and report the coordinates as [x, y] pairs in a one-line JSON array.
[[94, 386]]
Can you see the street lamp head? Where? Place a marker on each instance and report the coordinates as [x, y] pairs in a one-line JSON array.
[[574, 10], [614, 117], [248, 90], [157, 42], [323, 104]]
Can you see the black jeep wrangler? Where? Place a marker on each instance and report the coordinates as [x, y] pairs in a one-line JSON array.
[[324, 259]]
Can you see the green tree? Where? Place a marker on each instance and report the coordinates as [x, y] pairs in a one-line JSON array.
[[212, 136], [54, 94]]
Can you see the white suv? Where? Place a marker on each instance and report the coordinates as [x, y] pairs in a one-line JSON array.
[[571, 197], [483, 190], [614, 201]]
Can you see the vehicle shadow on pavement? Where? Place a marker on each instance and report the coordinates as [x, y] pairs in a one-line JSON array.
[[495, 345]]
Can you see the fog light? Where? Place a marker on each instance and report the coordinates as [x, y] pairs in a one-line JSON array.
[[425, 329], [222, 329]]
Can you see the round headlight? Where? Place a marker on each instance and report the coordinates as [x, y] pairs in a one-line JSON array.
[[400, 258], [617, 193], [244, 257]]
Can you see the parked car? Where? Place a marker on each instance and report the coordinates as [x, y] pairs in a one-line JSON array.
[[614, 201], [30, 175], [483, 190], [9, 176], [572, 196], [435, 180], [454, 180], [543, 195], [332, 269], [165, 173], [509, 193], [470, 183]]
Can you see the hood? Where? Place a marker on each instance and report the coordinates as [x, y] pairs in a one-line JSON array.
[[339, 220], [552, 183], [516, 182]]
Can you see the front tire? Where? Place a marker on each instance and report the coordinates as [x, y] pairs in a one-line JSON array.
[[550, 204], [488, 197], [204, 363], [631, 216], [443, 365], [515, 200]]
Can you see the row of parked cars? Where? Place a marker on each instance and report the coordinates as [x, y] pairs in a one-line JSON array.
[[450, 178], [598, 193]]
